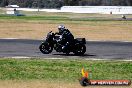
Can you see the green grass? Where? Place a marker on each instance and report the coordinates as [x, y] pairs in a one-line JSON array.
[[55, 18], [33, 17], [66, 70]]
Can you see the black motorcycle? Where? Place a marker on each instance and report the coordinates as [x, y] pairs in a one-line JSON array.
[[55, 42]]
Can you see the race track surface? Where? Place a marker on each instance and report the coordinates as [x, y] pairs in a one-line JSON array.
[[95, 49]]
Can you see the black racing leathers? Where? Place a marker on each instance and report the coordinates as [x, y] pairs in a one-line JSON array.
[[67, 38]]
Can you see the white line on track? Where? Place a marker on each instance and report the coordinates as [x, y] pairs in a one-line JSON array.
[[90, 59], [19, 57], [9, 38], [95, 59]]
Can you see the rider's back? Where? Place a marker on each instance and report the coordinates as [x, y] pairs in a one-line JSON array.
[[67, 35]]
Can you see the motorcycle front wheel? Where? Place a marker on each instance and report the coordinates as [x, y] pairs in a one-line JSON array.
[[45, 48]]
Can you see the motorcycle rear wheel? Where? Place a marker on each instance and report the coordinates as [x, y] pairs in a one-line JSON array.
[[80, 49], [45, 48]]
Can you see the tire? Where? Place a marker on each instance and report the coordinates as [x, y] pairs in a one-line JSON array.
[[67, 53], [84, 81], [80, 49], [45, 48]]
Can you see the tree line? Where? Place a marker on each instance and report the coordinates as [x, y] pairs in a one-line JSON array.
[[60, 3]]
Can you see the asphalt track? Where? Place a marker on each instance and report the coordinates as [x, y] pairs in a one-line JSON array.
[[95, 49]]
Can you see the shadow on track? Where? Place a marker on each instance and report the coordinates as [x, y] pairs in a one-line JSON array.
[[85, 55]]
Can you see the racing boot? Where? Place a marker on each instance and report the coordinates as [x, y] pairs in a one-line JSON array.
[[65, 48]]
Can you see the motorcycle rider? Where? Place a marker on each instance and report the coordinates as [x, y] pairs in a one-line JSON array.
[[67, 37]]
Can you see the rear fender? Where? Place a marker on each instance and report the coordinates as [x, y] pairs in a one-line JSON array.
[[81, 40]]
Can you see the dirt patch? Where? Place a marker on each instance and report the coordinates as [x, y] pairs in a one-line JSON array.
[[101, 30], [43, 84]]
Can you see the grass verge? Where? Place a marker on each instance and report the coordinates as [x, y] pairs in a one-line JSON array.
[[33, 17], [62, 70], [58, 18]]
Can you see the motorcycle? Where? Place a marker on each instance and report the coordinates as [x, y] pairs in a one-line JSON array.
[[55, 42]]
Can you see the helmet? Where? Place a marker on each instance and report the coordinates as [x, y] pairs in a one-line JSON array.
[[61, 28]]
